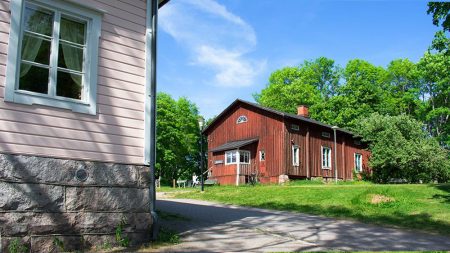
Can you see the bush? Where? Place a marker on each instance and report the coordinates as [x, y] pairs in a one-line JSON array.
[[401, 149]]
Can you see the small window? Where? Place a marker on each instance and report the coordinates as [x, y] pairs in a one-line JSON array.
[[326, 158], [295, 127], [55, 63], [262, 155], [326, 134], [244, 157], [231, 157], [358, 162], [241, 119], [218, 162], [295, 155]]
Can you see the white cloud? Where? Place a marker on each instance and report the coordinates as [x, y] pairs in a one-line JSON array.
[[217, 40]]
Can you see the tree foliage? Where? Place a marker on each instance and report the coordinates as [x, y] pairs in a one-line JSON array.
[[347, 95], [441, 14], [401, 149], [307, 84], [178, 137], [441, 17], [435, 74]]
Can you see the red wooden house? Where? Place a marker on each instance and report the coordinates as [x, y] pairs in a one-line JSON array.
[[248, 138]]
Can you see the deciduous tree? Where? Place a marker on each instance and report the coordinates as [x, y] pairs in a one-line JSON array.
[[401, 149], [178, 136]]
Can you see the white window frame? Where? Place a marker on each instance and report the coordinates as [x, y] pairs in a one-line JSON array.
[[295, 127], [326, 134], [241, 119], [262, 155], [229, 154], [325, 163], [237, 154], [358, 162], [295, 155], [93, 19]]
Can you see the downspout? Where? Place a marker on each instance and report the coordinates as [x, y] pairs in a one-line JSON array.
[[238, 166], [150, 106], [335, 155], [307, 152], [344, 175]]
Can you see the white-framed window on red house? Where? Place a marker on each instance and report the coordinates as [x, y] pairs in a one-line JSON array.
[[295, 155], [262, 155], [233, 156], [358, 162], [326, 157]]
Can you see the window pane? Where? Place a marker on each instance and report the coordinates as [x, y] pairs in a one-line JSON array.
[[38, 20], [36, 49], [33, 78], [70, 57], [73, 31], [244, 157], [323, 157], [68, 85]]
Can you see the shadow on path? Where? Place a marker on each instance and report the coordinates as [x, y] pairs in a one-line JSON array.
[[215, 228]]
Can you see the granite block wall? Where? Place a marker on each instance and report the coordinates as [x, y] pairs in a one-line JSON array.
[[78, 204]]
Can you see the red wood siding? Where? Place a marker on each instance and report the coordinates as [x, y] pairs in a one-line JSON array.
[[311, 151], [276, 138], [266, 127]]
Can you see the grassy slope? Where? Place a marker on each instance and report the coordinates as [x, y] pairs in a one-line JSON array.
[[425, 207]]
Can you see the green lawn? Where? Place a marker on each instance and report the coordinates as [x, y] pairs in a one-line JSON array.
[[424, 207]]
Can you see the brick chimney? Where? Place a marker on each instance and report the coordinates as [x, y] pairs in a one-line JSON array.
[[302, 110]]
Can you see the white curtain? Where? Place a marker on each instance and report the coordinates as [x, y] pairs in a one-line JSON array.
[[31, 45], [72, 57]]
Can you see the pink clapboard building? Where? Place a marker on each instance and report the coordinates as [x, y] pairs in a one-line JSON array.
[[75, 113]]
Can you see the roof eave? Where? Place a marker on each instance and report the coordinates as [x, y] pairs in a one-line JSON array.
[[162, 3], [276, 112]]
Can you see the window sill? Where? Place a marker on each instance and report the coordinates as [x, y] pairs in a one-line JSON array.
[[30, 98], [326, 168]]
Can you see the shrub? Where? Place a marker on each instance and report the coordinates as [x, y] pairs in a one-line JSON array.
[[401, 149]]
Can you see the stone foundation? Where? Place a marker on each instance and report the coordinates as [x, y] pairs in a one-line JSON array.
[[46, 203]]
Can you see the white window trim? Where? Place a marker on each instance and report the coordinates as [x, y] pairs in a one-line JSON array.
[[238, 156], [329, 158], [360, 162], [261, 152], [89, 103], [326, 134], [241, 119], [295, 127], [295, 157]]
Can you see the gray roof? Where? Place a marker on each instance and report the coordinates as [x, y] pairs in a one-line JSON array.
[[234, 144], [282, 114]]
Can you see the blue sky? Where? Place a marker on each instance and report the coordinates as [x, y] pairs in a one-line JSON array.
[[214, 51]]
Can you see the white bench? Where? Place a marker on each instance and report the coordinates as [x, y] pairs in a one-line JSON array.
[[181, 182]]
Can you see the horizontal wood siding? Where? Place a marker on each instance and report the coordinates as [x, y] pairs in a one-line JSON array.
[[116, 133], [267, 128]]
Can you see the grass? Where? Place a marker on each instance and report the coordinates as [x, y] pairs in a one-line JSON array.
[[423, 207]]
